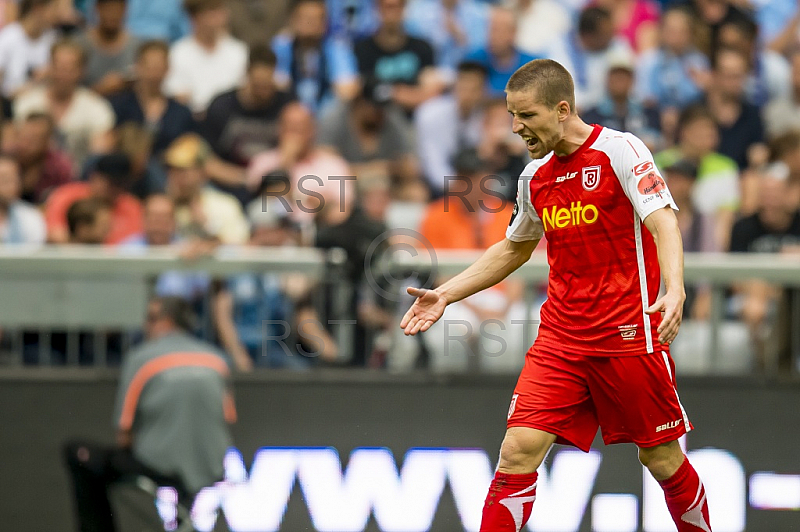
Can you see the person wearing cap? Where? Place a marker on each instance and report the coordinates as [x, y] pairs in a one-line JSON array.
[[201, 210], [108, 181], [469, 217], [620, 109]]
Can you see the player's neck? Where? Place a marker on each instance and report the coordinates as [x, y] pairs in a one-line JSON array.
[[576, 132]]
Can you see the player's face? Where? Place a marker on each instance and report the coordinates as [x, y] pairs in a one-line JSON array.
[[539, 126]]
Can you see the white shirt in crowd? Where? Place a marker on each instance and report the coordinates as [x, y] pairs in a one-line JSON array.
[[87, 117], [20, 56], [23, 224], [202, 74]]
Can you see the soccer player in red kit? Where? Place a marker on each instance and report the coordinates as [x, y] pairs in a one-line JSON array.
[[601, 358]]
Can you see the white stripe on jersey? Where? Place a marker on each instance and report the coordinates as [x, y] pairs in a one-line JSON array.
[[637, 228]]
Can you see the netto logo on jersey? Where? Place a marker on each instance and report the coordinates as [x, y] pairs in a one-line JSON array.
[[576, 214]]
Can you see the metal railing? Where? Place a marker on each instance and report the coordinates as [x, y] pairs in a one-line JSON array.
[[79, 288]]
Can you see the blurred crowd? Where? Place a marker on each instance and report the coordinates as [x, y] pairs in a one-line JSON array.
[[302, 123]]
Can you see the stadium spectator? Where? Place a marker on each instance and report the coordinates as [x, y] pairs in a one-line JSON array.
[[256, 22], [782, 114], [108, 182], [453, 27], [362, 236], [404, 63], [110, 49], [784, 149], [502, 153], [741, 130], [714, 14], [668, 76], [636, 21], [25, 45], [82, 118], [179, 439], [313, 66], [209, 61], [244, 121], [469, 218], [88, 221], [353, 19], [372, 137], [774, 228], [619, 109], [789, 37], [585, 53], [145, 103], [769, 72], [251, 310], [159, 229], [201, 210], [500, 57], [164, 20], [148, 175], [20, 222], [439, 136], [540, 23], [42, 165], [159, 225], [315, 174], [716, 189]]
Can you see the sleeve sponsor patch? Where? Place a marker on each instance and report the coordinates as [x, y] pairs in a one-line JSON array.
[[515, 211], [642, 168], [650, 184]]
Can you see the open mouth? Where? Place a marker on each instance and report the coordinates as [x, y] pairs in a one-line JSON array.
[[531, 142]]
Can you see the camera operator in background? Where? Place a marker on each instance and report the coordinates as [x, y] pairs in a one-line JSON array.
[[172, 412]]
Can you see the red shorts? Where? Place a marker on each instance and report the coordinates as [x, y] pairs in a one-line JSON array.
[[631, 398]]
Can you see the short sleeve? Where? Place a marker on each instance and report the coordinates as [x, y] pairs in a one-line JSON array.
[[525, 223], [640, 178]]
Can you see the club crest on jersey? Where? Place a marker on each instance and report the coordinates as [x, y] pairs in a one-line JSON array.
[[590, 177]]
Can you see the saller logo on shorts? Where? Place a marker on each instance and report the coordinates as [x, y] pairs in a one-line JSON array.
[[670, 425], [576, 214]]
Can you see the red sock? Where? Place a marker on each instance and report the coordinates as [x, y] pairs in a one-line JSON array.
[[509, 502], [686, 499]]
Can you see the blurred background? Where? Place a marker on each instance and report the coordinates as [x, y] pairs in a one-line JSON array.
[[285, 168]]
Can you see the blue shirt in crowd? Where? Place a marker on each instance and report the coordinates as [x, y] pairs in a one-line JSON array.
[[498, 74], [664, 78], [313, 75]]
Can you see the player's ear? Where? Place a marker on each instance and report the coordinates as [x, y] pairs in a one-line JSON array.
[[563, 109]]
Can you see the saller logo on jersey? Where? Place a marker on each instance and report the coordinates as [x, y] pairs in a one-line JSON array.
[[576, 214], [670, 425]]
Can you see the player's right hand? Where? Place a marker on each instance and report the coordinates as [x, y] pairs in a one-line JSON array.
[[425, 311]]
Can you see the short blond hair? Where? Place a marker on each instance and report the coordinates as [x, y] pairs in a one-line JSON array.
[[549, 79]]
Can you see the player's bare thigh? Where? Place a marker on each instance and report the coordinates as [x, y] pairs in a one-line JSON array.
[[523, 450]]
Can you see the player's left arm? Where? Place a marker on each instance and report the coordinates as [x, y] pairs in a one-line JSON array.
[[663, 225], [648, 193]]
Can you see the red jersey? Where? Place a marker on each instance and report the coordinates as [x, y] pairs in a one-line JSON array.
[[603, 261]]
